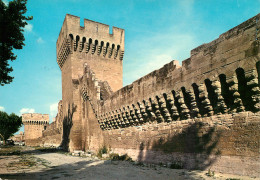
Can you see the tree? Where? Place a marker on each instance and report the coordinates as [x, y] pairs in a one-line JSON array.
[[12, 23], [9, 124]]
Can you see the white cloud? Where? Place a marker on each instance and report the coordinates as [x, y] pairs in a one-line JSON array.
[[53, 109], [40, 40], [28, 27], [27, 110], [2, 108], [161, 49]]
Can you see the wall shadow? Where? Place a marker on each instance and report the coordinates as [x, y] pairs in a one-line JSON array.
[[193, 147], [141, 152], [67, 125]]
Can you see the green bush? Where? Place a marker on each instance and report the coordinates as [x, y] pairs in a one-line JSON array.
[[116, 157], [176, 165], [101, 151], [210, 173]]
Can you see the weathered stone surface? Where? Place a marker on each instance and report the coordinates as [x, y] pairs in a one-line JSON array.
[[34, 124], [202, 114]]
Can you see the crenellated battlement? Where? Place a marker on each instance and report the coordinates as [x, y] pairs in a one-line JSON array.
[[90, 88], [90, 82], [93, 39], [212, 81], [34, 124], [204, 113], [35, 118]]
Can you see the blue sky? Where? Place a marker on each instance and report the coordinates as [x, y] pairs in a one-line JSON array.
[[156, 32]]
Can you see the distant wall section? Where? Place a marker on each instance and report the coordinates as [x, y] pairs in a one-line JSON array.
[[34, 124]]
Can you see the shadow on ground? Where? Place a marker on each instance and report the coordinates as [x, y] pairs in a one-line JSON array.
[[86, 168]]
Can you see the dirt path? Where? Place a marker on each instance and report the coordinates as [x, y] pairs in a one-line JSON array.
[[33, 164]]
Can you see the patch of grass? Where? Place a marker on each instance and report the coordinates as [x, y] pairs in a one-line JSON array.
[[114, 156], [101, 151], [210, 173], [10, 150], [43, 162], [28, 161], [24, 161], [176, 165]]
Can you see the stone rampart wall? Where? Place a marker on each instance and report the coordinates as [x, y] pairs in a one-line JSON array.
[[52, 135], [201, 114], [220, 77], [224, 143]]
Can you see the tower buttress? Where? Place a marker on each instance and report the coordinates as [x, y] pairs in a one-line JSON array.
[[93, 45]]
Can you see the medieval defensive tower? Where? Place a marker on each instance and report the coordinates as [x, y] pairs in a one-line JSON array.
[[34, 124], [202, 114], [91, 45]]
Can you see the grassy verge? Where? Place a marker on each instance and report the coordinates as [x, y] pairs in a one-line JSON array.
[[27, 161], [10, 150], [51, 150]]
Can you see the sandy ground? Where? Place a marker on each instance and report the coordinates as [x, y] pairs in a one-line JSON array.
[[33, 164]]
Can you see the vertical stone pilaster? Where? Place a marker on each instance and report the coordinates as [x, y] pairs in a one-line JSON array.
[[113, 122], [157, 110], [132, 114], [74, 45], [149, 110], [93, 48], [104, 50], [80, 46], [99, 49], [143, 110], [108, 121], [117, 119], [253, 86], [121, 55], [173, 109], [115, 53], [185, 112], [87, 47], [126, 122], [109, 52], [138, 114], [221, 106], [129, 117], [84, 47], [233, 87], [205, 101], [163, 106], [100, 120], [194, 108]]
